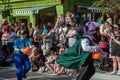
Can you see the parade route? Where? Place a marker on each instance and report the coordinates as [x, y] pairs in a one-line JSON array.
[[8, 73]]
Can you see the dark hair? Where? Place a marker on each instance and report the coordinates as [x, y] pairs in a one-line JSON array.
[[68, 25]]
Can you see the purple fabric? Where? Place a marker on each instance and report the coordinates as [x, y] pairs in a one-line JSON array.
[[99, 50], [91, 28]]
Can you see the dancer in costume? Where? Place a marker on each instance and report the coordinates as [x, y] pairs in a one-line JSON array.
[[79, 56], [21, 60]]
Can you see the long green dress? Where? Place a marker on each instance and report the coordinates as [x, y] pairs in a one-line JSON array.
[[74, 57]]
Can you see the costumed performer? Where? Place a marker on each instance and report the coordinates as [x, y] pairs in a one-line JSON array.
[[21, 60], [79, 56]]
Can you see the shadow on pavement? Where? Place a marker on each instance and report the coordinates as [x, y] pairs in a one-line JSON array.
[[48, 78]]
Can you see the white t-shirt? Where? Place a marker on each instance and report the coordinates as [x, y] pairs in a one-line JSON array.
[[71, 40]]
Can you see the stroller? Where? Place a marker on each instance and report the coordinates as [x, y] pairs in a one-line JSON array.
[[99, 64], [103, 62]]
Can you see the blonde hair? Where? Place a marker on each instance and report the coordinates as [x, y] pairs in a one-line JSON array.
[[68, 13]]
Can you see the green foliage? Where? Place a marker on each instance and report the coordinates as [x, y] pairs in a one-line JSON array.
[[114, 4]]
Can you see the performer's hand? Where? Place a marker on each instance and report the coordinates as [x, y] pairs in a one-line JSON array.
[[99, 49], [21, 50]]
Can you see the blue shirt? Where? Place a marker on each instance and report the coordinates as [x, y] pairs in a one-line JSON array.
[[20, 43], [12, 37], [45, 31]]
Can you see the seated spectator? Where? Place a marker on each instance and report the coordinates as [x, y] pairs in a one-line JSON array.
[[63, 48], [50, 64], [37, 58]]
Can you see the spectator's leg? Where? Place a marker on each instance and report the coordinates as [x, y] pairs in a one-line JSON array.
[[49, 67]]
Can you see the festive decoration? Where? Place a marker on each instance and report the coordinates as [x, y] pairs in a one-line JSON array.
[[96, 55], [26, 50]]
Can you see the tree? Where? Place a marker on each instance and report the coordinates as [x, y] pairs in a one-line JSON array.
[[114, 4]]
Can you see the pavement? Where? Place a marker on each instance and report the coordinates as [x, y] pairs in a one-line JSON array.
[[8, 73]]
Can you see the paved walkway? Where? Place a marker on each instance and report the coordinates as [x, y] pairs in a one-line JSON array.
[[105, 76], [9, 74]]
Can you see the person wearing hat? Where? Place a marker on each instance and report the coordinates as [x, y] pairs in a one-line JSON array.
[[79, 55], [21, 60]]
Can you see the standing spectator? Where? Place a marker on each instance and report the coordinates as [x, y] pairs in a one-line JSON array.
[[68, 18], [109, 19], [5, 37], [17, 27], [115, 50], [106, 28], [5, 25], [71, 35], [49, 42], [36, 37], [44, 33], [21, 29], [60, 18], [11, 40], [31, 30], [21, 60], [12, 25], [62, 31]]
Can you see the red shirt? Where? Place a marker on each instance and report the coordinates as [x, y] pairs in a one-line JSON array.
[[17, 28], [6, 27]]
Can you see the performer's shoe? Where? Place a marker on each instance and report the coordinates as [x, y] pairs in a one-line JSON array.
[[24, 77]]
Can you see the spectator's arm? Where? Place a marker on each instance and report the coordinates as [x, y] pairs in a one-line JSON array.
[[118, 42], [70, 35]]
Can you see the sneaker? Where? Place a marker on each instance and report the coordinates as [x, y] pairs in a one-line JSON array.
[[113, 73], [118, 73]]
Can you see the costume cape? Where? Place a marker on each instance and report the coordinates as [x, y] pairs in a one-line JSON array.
[[74, 57]]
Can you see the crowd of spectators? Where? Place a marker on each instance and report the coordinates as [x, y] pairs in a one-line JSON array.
[[50, 40]]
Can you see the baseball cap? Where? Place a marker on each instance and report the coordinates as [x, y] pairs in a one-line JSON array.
[[23, 32]]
